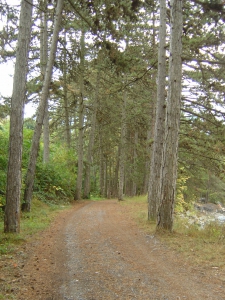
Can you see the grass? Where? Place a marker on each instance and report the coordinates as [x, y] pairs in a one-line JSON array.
[[95, 198], [205, 247], [137, 207], [31, 223]]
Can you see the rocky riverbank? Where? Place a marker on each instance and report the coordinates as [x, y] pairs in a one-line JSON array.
[[205, 214]]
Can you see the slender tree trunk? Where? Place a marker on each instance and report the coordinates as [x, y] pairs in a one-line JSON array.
[[122, 150], [66, 106], [78, 193], [152, 115], [29, 182], [156, 158], [105, 177], [87, 181], [170, 151], [134, 181], [43, 61], [116, 176], [14, 178], [150, 134], [101, 162], [46, 135]]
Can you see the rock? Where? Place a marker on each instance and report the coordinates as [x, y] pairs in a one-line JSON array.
[[221, 218]]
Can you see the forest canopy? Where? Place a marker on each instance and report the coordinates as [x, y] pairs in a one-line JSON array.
[[98, 128]]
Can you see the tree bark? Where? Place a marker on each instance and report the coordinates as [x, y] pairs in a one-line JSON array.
[[65, 96], [78, 192], [14, 177], [170, 151], [87, 181], [152, 114], [101, 167], [134, 181], [43, 61], [46, 136], [122, 149], [157, 148], [29, 181]]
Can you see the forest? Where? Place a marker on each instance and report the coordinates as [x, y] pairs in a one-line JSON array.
[[129, 99]]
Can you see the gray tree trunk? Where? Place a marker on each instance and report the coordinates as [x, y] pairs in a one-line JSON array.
[[150, 136], [78, 192], [66, 106], [43, 61], [134, 182], [87, 181], [152, 115], [157, 148], [14, 178], [170, 151], [122, 149], [115, 179], [29, 181], [46, 136], [101, 169]]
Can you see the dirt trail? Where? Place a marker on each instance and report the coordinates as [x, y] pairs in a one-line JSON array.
[[96, 251]]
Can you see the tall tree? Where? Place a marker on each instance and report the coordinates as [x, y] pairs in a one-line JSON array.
[[156, 158], [14, 179], [65, 93], [78, 192], [29, 181], [43, 62], [122, 150], [170, 147], [87, 182]]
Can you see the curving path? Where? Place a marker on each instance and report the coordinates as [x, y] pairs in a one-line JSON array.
[[96, 251]]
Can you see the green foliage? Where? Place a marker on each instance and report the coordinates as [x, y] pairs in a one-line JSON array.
[[4, 133], [182, 202], [122, 49], [201, 158], [55, 181], [27, 140]]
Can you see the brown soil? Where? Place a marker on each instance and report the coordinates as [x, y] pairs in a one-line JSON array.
[[96, 251]]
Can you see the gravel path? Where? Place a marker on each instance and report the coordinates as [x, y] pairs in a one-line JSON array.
[[96, 251]]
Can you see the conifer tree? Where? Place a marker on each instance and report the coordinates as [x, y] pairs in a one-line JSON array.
[[14, 176]]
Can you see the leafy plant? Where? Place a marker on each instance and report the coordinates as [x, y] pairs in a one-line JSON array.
[[55, 181]]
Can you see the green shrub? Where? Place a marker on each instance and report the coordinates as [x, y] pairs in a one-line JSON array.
[[55, 181]]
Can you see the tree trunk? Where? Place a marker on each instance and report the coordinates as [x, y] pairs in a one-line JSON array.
[[106, 177], [156, 158], [87, 182], [66, 106], [152, 114], [134, 181], [29, 181], [122, 149], [14, 178], [46, 135], [116, 176], [78, 193], [169, 159], [43, 62], [101, 161], [150, 134]]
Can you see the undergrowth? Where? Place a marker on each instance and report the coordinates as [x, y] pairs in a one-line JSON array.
[[205, 247]]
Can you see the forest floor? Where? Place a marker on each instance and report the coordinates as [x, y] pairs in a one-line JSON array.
[[97, 251]]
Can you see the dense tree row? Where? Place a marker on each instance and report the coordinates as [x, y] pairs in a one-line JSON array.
[[105, 86]]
